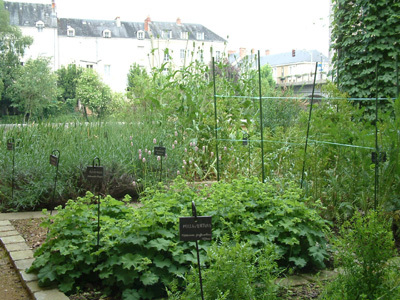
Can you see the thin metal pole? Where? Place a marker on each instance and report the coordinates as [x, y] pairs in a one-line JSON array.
[[261, 117], [198, 263], [12, 178], [397, 76], [376, 141], [55, 182], [308, 126], [216, 119]]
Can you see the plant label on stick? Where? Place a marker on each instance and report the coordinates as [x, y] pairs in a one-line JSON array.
[[195, 229], [53, 160], [159, 151], [380, 157], [95, 174]]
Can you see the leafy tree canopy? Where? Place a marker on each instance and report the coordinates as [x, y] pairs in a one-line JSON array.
[[35, 88], [12, 47]]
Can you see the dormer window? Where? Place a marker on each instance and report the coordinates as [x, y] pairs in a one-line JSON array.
[[40, 26], [184, 35], [107, 33], [167, 34], [140, 35], [70, 31], [200, 36]]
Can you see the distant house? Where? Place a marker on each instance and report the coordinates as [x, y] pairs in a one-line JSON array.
[[295, 69], [297, 66], [112, 46]]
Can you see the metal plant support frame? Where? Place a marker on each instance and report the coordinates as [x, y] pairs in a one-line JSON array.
[[308, 126], [379, 156]]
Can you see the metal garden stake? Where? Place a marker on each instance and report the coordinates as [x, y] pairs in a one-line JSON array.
[[11, 147], [54, 161], [160, 152], [193, 229], [95, 174]]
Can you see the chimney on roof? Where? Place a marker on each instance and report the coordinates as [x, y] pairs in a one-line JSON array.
[[242, 52], [267, 52], [118, 21], [146, 24], [178, 21]]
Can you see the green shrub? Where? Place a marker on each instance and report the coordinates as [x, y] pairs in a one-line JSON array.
[[140, 252], [236, 271], [364, 248]]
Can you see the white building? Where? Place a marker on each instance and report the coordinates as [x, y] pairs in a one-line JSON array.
[[112, 46]]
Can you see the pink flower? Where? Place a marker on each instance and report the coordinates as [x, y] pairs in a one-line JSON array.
[[132, 144], [196, 148], [149, 152], [185, 150], [140, 151], [131, 138], [175, 142], [184, 162], [212, 154], [220, 157], [145, 150], [183, 167], [154, 141], [144, 159], [191, 145], [225, 148], [158, 158], [176, 133], [204, 148], [190, 162], [178, 172], [140, 155], [173, 146], [134, 183]]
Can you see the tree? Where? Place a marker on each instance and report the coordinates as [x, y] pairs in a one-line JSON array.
[[35, 88], [139, 83], [92, 92], [66, 81], [366, 34], [12, 47]]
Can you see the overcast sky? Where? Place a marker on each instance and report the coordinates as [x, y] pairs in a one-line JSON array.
[[277, 25]]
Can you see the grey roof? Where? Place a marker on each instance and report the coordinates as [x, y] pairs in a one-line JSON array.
[[27, 14], [287, 58]]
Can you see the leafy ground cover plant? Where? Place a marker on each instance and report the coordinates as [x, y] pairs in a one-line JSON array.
[[364, 248], [140, 252], [236, 271]]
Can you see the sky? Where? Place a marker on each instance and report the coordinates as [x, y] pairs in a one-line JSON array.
[[275, 25]]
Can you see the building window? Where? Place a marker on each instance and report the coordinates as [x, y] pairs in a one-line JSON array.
[[217, 55], [106, 33], [40, 26], [200, 36], [184, 35], [107, 70], [167, 34], [70, 31], [140, 35], [182, 53], [166, 56], [89, 66]]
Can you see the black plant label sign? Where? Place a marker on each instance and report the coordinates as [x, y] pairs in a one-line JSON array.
[[10, 146], [159, 151], [195, 228], [378, 158], [245, 141], [95, 174], [54, 160]]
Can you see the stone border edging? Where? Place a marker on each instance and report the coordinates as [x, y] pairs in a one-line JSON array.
[[21, 257]]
